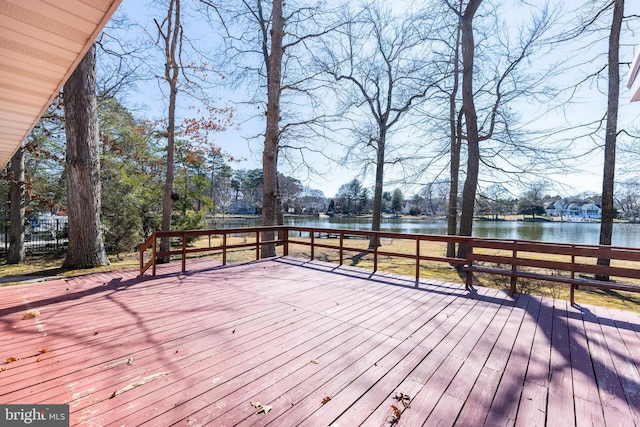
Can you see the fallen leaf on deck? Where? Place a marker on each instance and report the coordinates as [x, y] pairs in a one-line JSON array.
[[395, 416], [261, 408], [11, 359], [266, 408], [30, 314], [130, 361], [42, 350], [326, 399], [314, 361], [38, 359], [3, 369], [404, 398], [112, 395]]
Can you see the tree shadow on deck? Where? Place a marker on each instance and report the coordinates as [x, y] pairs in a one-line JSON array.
[[589, 347]]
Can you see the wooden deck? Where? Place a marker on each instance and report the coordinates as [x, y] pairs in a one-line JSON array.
[[322, 345]]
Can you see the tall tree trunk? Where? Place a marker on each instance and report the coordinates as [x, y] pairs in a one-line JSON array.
[[16, 253], [455, 129], [86, 248], [172, 39], [377, 193], [471, 122], [606, 224], [272, 133]]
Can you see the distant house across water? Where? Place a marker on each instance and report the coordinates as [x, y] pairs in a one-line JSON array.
[[242, 207], [574, 210]]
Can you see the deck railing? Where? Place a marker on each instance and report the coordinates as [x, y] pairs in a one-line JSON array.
[[572, 264]]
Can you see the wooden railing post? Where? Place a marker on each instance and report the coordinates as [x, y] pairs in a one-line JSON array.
[[285, 241], [224, 248], [313, 236], [153, 253], [141, 256], [468, 283], [572, 287], [375, 251], [184, 251], [257, 245], [417, 260], [514, 269], [341, 247]]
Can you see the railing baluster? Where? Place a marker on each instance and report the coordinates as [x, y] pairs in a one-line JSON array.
[[417, 260], [224, 248], [313, 236], [514, 269], [184, 251], [376, 238]]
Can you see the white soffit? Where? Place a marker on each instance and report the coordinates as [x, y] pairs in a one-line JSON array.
[[41, 43], [633, 81]]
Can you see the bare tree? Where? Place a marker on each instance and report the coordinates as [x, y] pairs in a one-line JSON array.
[[381, 65], [628, 199], [471, 121], [266, 47], [272, 132], [86, 247], [606, 223], [494, 137], [170, 33]]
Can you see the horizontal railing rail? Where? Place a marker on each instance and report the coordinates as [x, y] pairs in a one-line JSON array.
[[572, 264]]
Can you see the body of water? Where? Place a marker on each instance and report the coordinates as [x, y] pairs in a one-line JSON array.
[[624, 234]]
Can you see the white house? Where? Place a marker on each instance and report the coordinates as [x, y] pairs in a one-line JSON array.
[[591, 210], [574, 210]]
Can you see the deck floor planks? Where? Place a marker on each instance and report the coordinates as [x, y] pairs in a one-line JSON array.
[[249, 332], [533, 403], [560, 409], [383, 390], [612, 396], [629, 337], [146, 360], [625, 369], [373, 302], [588, 408], [379, 392], [504, 408], [305, 408], [224, 364], [479, 401], [449, 359], [235, 406], [462, 383], [82, 363], [401, 329], [202, 405]]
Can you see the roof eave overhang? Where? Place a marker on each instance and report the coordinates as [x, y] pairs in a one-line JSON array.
[[41, 44]]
